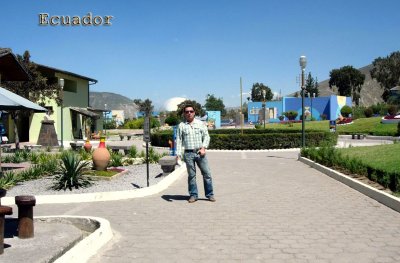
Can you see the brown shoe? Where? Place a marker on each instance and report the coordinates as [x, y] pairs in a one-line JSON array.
[[211, 199], [192, 199]]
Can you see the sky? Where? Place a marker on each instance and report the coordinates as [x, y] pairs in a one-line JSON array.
[[159, 49]]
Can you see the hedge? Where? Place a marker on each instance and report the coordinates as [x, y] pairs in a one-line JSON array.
[[255, 140]]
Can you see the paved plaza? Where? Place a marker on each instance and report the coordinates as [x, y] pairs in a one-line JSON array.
[[270, 208]]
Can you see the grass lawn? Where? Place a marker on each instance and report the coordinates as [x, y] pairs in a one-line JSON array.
[[385, 157], [371, 126]]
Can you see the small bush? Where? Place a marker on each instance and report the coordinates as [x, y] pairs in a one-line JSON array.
[[324, 117], [392, 110], [346, 111], [291, 115], [133, 151], [72, 172], [8, 180], [115, 160], [172, 120], [368, 112]]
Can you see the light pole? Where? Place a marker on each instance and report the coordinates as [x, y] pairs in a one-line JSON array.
[[61, 83], [303, 63], [312, 97], [105, 119], [264, 92]]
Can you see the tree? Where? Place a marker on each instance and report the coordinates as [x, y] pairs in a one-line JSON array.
[[144, 106], [215, 104], [387, 72], [196, 106], [311, 86], [348, 80], [36, 90], [257, 94]]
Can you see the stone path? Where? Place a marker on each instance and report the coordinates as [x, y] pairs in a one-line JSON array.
[[270, 208]]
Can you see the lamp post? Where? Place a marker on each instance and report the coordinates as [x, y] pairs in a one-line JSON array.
[[264, 92], [303, 63], [61, 83], [105, 119], [312, 97]]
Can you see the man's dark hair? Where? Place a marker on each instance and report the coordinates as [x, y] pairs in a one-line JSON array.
[[189, 105]]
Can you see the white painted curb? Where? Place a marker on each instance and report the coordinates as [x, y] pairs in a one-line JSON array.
[[87, 247], [380, 196], [106, 196]]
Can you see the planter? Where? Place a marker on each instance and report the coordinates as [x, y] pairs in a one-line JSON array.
[[87, 146], [101, 156]]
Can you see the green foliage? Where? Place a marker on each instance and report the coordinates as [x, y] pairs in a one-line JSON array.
[[368, 112], [346, 111], [311, 86], [115, 160], [133, 151], [257, 92], [139, 123], [145, 106], [215, 104], [378, 163], [348, 80], [8, 180], [72, 172], [392, 110], [386, 72], [172, 120], [85, 155], [291, 115]]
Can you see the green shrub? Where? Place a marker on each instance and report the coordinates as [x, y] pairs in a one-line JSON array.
[[368, 112], [291, 115], [172, 120], [115, 160], [358, 112], [346, 111], [133, 151], [8, 180], [72, 172], [392, 110], [139, 123]]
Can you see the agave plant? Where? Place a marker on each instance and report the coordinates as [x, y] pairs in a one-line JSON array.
[[72, 173]]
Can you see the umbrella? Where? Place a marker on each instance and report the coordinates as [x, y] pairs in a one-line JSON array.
[[12, 101]]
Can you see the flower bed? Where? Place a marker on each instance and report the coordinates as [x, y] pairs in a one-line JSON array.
[[390, 119], [344, 121]]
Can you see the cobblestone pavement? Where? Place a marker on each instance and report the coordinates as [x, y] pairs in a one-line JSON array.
[[270, 208]]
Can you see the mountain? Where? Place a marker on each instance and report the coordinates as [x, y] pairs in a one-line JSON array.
[[114, 102], [371, 91]]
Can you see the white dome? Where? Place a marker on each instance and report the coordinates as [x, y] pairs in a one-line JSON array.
[[172, 103]]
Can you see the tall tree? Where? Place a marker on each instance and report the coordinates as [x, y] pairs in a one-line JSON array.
[[145, 106], [196, 106], [36, 90], [215, 104], [348, 80], [311, 86], [387, 72], [257, 94]]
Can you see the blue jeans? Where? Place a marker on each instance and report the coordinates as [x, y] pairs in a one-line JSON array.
[[191, 160]]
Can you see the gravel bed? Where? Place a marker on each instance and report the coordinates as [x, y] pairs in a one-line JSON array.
[[134, 178]]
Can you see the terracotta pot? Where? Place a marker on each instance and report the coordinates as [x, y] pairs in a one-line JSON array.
[[101, 156], [87, 146]]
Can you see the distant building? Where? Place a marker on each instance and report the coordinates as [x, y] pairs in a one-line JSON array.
[[313, 107]]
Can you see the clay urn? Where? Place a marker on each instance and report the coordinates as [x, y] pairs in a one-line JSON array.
[[87, 146], [101, 156]]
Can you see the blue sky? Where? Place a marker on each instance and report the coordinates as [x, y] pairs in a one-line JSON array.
[[159, 49]]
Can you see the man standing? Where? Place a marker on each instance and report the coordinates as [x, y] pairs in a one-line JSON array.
[[193, 136]]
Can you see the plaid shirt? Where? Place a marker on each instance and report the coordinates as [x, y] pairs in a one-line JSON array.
[[191, 136]]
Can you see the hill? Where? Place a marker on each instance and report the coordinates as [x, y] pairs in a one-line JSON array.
[[114, 102], [371, 91]]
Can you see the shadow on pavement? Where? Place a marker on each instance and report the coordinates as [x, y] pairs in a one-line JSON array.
[[171, 198]]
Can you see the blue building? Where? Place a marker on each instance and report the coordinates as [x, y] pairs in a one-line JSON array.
[[313, 107]]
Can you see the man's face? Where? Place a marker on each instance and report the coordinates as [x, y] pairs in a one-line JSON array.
[[189, 114]]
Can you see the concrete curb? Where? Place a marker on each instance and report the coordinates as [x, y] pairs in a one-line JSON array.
[[88, 246], [380, 196], [105, 196]]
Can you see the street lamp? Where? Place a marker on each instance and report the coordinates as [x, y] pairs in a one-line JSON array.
[[264, 92], [105, 119], [61, 83], [303, 63]]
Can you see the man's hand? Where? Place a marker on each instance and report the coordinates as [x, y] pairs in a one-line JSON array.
[[202, 151]]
